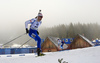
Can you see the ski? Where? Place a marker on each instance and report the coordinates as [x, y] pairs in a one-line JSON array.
[[40, 55]]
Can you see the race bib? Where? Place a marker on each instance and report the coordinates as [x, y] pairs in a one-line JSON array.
[[33, 35]]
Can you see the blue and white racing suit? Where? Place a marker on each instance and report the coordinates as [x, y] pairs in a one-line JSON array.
[[33, 30]]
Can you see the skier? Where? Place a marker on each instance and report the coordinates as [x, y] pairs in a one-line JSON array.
[[33, 31], [62, 44]]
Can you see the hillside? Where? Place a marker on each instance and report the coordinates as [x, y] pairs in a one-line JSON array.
[[85, 55]]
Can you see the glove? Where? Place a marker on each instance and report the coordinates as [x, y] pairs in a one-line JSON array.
[[27, 31], [37, 32]]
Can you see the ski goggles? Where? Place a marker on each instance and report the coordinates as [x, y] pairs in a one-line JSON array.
[[40, 16]]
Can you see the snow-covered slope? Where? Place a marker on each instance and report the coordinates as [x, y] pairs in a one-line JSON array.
[[85, 55]]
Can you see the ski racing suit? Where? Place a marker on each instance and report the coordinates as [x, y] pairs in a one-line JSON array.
[[33, 30], [62, 44]]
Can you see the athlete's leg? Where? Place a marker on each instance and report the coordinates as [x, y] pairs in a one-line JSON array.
[[33, 34]]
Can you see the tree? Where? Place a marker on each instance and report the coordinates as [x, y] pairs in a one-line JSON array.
[[71, 32]]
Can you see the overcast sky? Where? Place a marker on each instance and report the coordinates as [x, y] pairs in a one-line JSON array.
[[14, 13]]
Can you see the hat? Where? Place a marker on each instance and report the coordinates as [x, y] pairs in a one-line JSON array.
[[40, 14]]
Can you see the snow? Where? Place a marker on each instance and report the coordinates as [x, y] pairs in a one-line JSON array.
[[87, 40], [84, 55]]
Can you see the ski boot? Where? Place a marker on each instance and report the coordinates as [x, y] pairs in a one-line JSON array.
[[39, 53]]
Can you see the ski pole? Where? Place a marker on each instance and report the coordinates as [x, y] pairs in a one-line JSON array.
[[13, 39], [25, 43]]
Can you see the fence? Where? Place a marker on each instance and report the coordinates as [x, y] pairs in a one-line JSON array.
[[17, 50]]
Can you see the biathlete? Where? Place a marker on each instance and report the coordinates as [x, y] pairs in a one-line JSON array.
[[33, 31]]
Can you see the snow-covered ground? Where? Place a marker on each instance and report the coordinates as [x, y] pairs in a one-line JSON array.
[[85, 55]]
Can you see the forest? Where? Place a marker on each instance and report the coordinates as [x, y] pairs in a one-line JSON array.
[[90, 31]]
